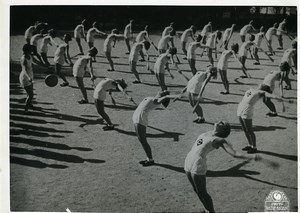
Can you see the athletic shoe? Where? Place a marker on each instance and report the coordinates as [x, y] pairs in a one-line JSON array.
[[107, 128], [224, 93], [142, 60], [246, 148], [200, 121], [287, 88], [65, 84], [111, 70], [272, 114], [80, 53], [256, 63], [270, 54], [147, 163], [127, 53], [185, 58], [83, 101], [136, 82], [252, 150], [279, 48]]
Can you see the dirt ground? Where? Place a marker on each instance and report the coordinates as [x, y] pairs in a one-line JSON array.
[[61, 158]]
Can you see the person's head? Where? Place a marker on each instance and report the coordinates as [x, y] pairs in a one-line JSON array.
[[131, 21], [67, 37], [199, 38], [52, 33], [284, 66], [171, 24], [27, 49], [235, 47], [251, 22], [219, 34], [263, 87], [172, 50], [121, 84], [172, 33], [36, 23], [146, 45], [83, 22], [114, 31], [252, 37], [146, 28], [275, 25], [222, 129], [294, 44], [93, 51], [209, 23], [261, 29], [95, 24], [213, 71], [166, 101]]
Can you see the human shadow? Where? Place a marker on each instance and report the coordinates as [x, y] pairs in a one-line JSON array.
[[33, 133], [257, 128], [121, 107], [164, 134], [217, 102], [35, 163], [234, 171], [284, 156], [169, 85], [15, 89], [53, 155], [288, 118], [37, 128], [50, 145]]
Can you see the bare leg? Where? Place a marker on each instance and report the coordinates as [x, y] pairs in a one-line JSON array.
[[141, 134], [205, 198], [100, 109], [80, 84], [127, 44], [79, 45], [183, 44], [29, 91], [111, 63], [161, 80], [132, 65]]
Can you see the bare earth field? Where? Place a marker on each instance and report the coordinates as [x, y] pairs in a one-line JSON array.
[[61, 158]]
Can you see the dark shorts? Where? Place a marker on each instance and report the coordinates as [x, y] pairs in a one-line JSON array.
[[284, 66], [267, 88]]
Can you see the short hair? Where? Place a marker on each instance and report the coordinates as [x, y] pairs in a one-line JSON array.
[[172, 50], [235, 47], [93, 51], [122, 83], [27, 48], [146, 44]]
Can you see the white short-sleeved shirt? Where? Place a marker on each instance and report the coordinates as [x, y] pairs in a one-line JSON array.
[[161, 61], [246, 106], [223, 61], [27, 72], [29, 31], [195, 161], [243, 51], [34, 39], [246, 29], [185, 35], [195, 83], [79, 31], [258, 38], [163, 42], [90, 36], [270, 79], [226, 34], [211, 40], [140, 115], [281, 28], [44, 44], [166, 31], [80, 66], [102, 87], [191, 51], [271, 31], [206, 30], [127, 30], [134, 52], [59, 55], [143, 35], [287, 55]]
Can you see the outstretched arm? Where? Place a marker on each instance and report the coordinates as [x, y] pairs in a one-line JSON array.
[[229, 149]]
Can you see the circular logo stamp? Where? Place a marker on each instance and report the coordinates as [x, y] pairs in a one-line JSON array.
[[277, 201]]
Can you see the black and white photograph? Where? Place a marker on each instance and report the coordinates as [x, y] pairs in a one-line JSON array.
[[151, 108]]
